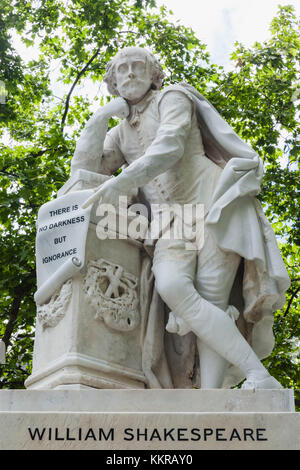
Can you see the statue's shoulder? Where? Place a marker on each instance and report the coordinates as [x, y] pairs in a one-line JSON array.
[[184, 88], [177, 89]]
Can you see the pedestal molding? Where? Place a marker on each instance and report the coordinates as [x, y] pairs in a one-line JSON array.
[[81, 361]]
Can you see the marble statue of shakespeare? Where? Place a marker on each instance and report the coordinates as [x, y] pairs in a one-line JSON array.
[[179, 150]]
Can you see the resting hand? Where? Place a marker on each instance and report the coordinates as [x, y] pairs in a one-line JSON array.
[[107, 193], [117, 107]]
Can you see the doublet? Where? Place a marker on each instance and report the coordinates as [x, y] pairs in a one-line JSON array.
[[161, 141]]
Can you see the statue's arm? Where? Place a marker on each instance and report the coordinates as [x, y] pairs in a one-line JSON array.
[[168, 146], [96, 150]]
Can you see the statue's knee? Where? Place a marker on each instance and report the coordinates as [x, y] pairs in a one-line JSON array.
[[172, 288], [164, 288]]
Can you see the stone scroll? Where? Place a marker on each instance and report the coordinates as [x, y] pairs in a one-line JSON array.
[[60, 242]]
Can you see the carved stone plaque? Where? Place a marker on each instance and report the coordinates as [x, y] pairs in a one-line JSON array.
[[113, 293]]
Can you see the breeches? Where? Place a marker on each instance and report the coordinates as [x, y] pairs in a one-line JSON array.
[[181, 273]]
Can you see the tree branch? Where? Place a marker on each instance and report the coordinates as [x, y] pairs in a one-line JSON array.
[[8, 174], [291, 300], [12, 318], [67, 103], [20, 293]]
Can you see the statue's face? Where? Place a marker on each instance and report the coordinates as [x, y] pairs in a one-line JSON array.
[[133, 76]]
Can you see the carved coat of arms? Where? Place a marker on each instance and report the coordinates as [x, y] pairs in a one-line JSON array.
[[112, 292]]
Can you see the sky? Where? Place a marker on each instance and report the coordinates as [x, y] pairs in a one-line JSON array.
[[220, 23], [217, 23]]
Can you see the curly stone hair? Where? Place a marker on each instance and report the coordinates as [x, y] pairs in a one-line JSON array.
[[155, 67]]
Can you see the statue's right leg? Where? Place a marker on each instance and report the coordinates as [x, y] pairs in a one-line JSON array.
[[177, 270]]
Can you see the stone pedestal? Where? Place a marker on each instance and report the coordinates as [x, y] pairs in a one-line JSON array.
[[180, 420], [81, 348], [88, 334]]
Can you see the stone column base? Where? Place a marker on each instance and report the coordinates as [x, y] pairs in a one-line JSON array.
[[78, 371]]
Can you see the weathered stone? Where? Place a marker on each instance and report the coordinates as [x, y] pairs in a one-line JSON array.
[[148, 419]]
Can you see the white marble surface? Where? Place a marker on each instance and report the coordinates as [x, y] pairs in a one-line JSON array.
[[148, 420], [164, 400]]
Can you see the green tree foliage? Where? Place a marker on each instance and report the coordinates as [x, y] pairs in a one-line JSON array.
[[75, 40]]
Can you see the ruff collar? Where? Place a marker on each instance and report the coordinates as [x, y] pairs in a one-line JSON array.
[[137, 109]]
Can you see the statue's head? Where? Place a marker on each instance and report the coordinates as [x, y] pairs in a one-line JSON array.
[[132, 72]]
